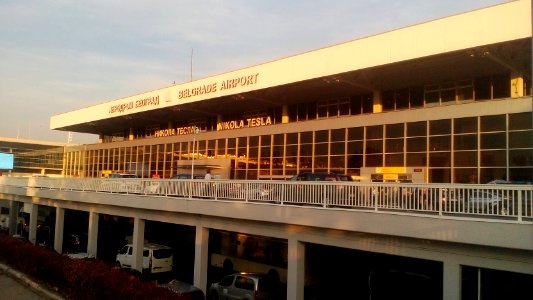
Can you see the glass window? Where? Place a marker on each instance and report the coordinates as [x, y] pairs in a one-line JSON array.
[[394, 130], [493, 140], [439, 159], [520, 121], [356, 133], [465, 142], [416, 159], [394, 160], [374, 147], [374, 132], [321, 136], [465, 125], [495, 158], [440, 127], [306, 137], [338, 135], [492, 123], [292, 138], [417, 129], [522, 158], [393, 145], [465, 159], [520, 139], [416, 144], [439, 143]]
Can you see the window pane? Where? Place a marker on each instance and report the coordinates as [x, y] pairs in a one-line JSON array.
[[416, 159], [416, 144], [439, 143], [439, 159], [394, 130], [520, 158], [465, 125], [495, 158], [492, 123], [394, 160], [374, 132], [493, 140], [393, 145], [417, 129], [465, 158], [440, 127], [520, 121], [374, 147], [520, 139], [465, 142]]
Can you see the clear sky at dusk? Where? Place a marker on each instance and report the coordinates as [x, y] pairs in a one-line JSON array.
[[61, 55]]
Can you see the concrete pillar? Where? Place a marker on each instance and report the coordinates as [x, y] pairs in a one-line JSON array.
[[92, 236], [34, 213], [295, 270], [59, 229], [201, 257], [14, 211], [284, 114], [138, 244], [377, 102], [451, 285]]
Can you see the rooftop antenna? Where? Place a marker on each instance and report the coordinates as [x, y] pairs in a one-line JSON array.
[[192, 52]]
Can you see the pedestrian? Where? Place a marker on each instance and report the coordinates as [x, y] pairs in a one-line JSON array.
[[208, 175]]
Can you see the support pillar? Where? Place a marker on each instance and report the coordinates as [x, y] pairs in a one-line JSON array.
[[201, 257], [451, 285], [377, 102], [14, 211], [138, 244], [34, 214], [284, 114], [295, 269], [92, 236], [59, 229]]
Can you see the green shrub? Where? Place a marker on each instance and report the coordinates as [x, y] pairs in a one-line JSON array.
[[76, 279]]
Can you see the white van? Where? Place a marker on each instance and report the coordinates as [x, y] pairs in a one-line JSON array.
[[156, 258]]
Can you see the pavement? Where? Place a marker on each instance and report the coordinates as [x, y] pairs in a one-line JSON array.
[[17, 286]]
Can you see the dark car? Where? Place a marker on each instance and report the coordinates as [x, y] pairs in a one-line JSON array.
[[308, 176], [184, 290]]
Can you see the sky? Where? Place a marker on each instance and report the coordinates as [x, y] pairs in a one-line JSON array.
[[61, 55]]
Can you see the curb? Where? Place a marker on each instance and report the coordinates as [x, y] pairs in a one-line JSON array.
[[34, 286]]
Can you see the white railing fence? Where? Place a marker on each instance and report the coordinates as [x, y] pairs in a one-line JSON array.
[[505, 201]]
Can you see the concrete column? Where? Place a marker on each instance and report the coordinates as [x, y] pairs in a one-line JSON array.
[[92, 236], [201, 257], [14, 211], [59, 229], [451, 285], [138, 244], [34, 213], [295, 270], [284, 114], [377, 102]]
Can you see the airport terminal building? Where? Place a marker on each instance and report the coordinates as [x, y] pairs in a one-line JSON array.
[[445, 101]]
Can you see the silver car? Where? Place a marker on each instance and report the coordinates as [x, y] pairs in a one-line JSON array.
[[245, 286]]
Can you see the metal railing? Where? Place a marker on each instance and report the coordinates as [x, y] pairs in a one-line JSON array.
[[508, 202]]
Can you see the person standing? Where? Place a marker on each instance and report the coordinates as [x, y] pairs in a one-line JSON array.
[[208, 175]]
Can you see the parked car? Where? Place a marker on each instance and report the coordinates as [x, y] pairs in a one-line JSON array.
[[485, 201], [184, 290], [122, 175], [188, 176], [308, 176], [246, 286], [156, 258]]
